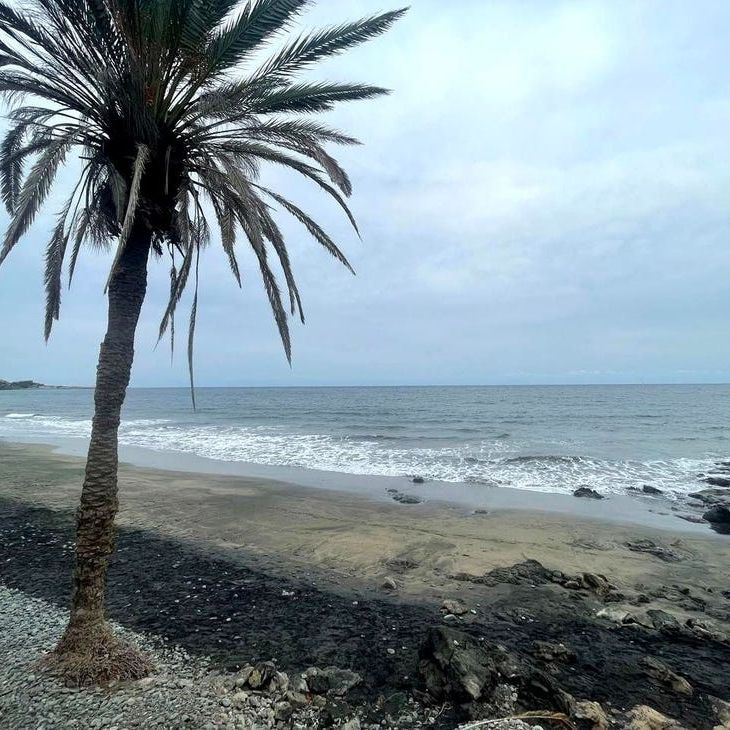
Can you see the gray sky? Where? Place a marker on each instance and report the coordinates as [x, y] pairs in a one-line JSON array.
[[544, 199]]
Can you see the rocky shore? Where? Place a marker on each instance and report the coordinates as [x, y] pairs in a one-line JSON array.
[[254, 650]]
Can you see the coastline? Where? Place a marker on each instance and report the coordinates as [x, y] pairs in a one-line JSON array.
[[656, 512]]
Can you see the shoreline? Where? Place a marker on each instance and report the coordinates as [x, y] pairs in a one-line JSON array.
[[656, 512]]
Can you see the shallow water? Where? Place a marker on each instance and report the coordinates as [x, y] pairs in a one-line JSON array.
[[544, 438]]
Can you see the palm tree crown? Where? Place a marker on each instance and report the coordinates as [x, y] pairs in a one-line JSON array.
[[171, 115]]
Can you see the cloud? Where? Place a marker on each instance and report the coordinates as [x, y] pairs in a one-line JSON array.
[[543, 198]]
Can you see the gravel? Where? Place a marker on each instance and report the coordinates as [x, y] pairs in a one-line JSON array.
[[183, 693]]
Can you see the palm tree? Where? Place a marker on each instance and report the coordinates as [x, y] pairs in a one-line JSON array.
[[170, 112]]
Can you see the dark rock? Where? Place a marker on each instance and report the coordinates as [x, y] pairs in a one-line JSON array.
[[650, 547], [407, 498], [331, 680], [528, 572], [452, 606], [718, 481], [663, 674], [261, 675], [663, 621], [719, 514], [716, 495], [335, 713], [418, 480], [549, 651], [692, 518], [588, 493], [648, 489], [395, 704], [458, 668]]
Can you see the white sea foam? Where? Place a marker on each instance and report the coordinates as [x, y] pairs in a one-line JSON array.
[[496, 462]]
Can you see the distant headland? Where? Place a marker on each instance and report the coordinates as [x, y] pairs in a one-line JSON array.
[[21, 385]]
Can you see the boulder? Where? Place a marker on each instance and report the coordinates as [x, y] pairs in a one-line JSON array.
[[648, 489], [649, 546], [476, 676], [718, 515], [457, 667], [588, 493], [418, 480]]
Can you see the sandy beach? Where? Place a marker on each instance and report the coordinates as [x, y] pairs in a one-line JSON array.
[[340, 578]]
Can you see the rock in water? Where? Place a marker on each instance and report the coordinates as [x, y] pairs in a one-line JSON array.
[[718, 481], [648, 489], [587, 492], [718, 515], [418, 480]]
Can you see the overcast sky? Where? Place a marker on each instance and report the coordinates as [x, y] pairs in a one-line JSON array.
[[545, 198]]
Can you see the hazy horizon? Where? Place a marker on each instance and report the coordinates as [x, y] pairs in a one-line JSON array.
[[543, 200]]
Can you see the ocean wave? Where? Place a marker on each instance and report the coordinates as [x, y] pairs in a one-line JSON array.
[[484, 462]]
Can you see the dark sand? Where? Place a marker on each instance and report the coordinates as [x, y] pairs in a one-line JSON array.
[[298, 572]]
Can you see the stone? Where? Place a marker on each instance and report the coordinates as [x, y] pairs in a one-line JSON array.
[[353, 724], [332, 681], [663, 621], [590, 712], [452, 606], [718, 481], [588, 493], [615, 614], [261, 674], [407, 498], [598, 584], [662, 673], [389, 584], [283, 711], [297, 699], [648, 489], [719, 515], [650, 547], [456, 666], [418, 480], [712, 496], [643, 717], [550, 651]]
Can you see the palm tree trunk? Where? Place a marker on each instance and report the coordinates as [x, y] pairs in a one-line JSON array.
[[87, 651]]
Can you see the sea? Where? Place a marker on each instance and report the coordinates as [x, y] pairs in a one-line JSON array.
[[542, 438]]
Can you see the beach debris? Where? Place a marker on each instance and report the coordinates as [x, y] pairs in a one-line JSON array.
[[643, 717], [587, 492], [652, 548], [659, 671]]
